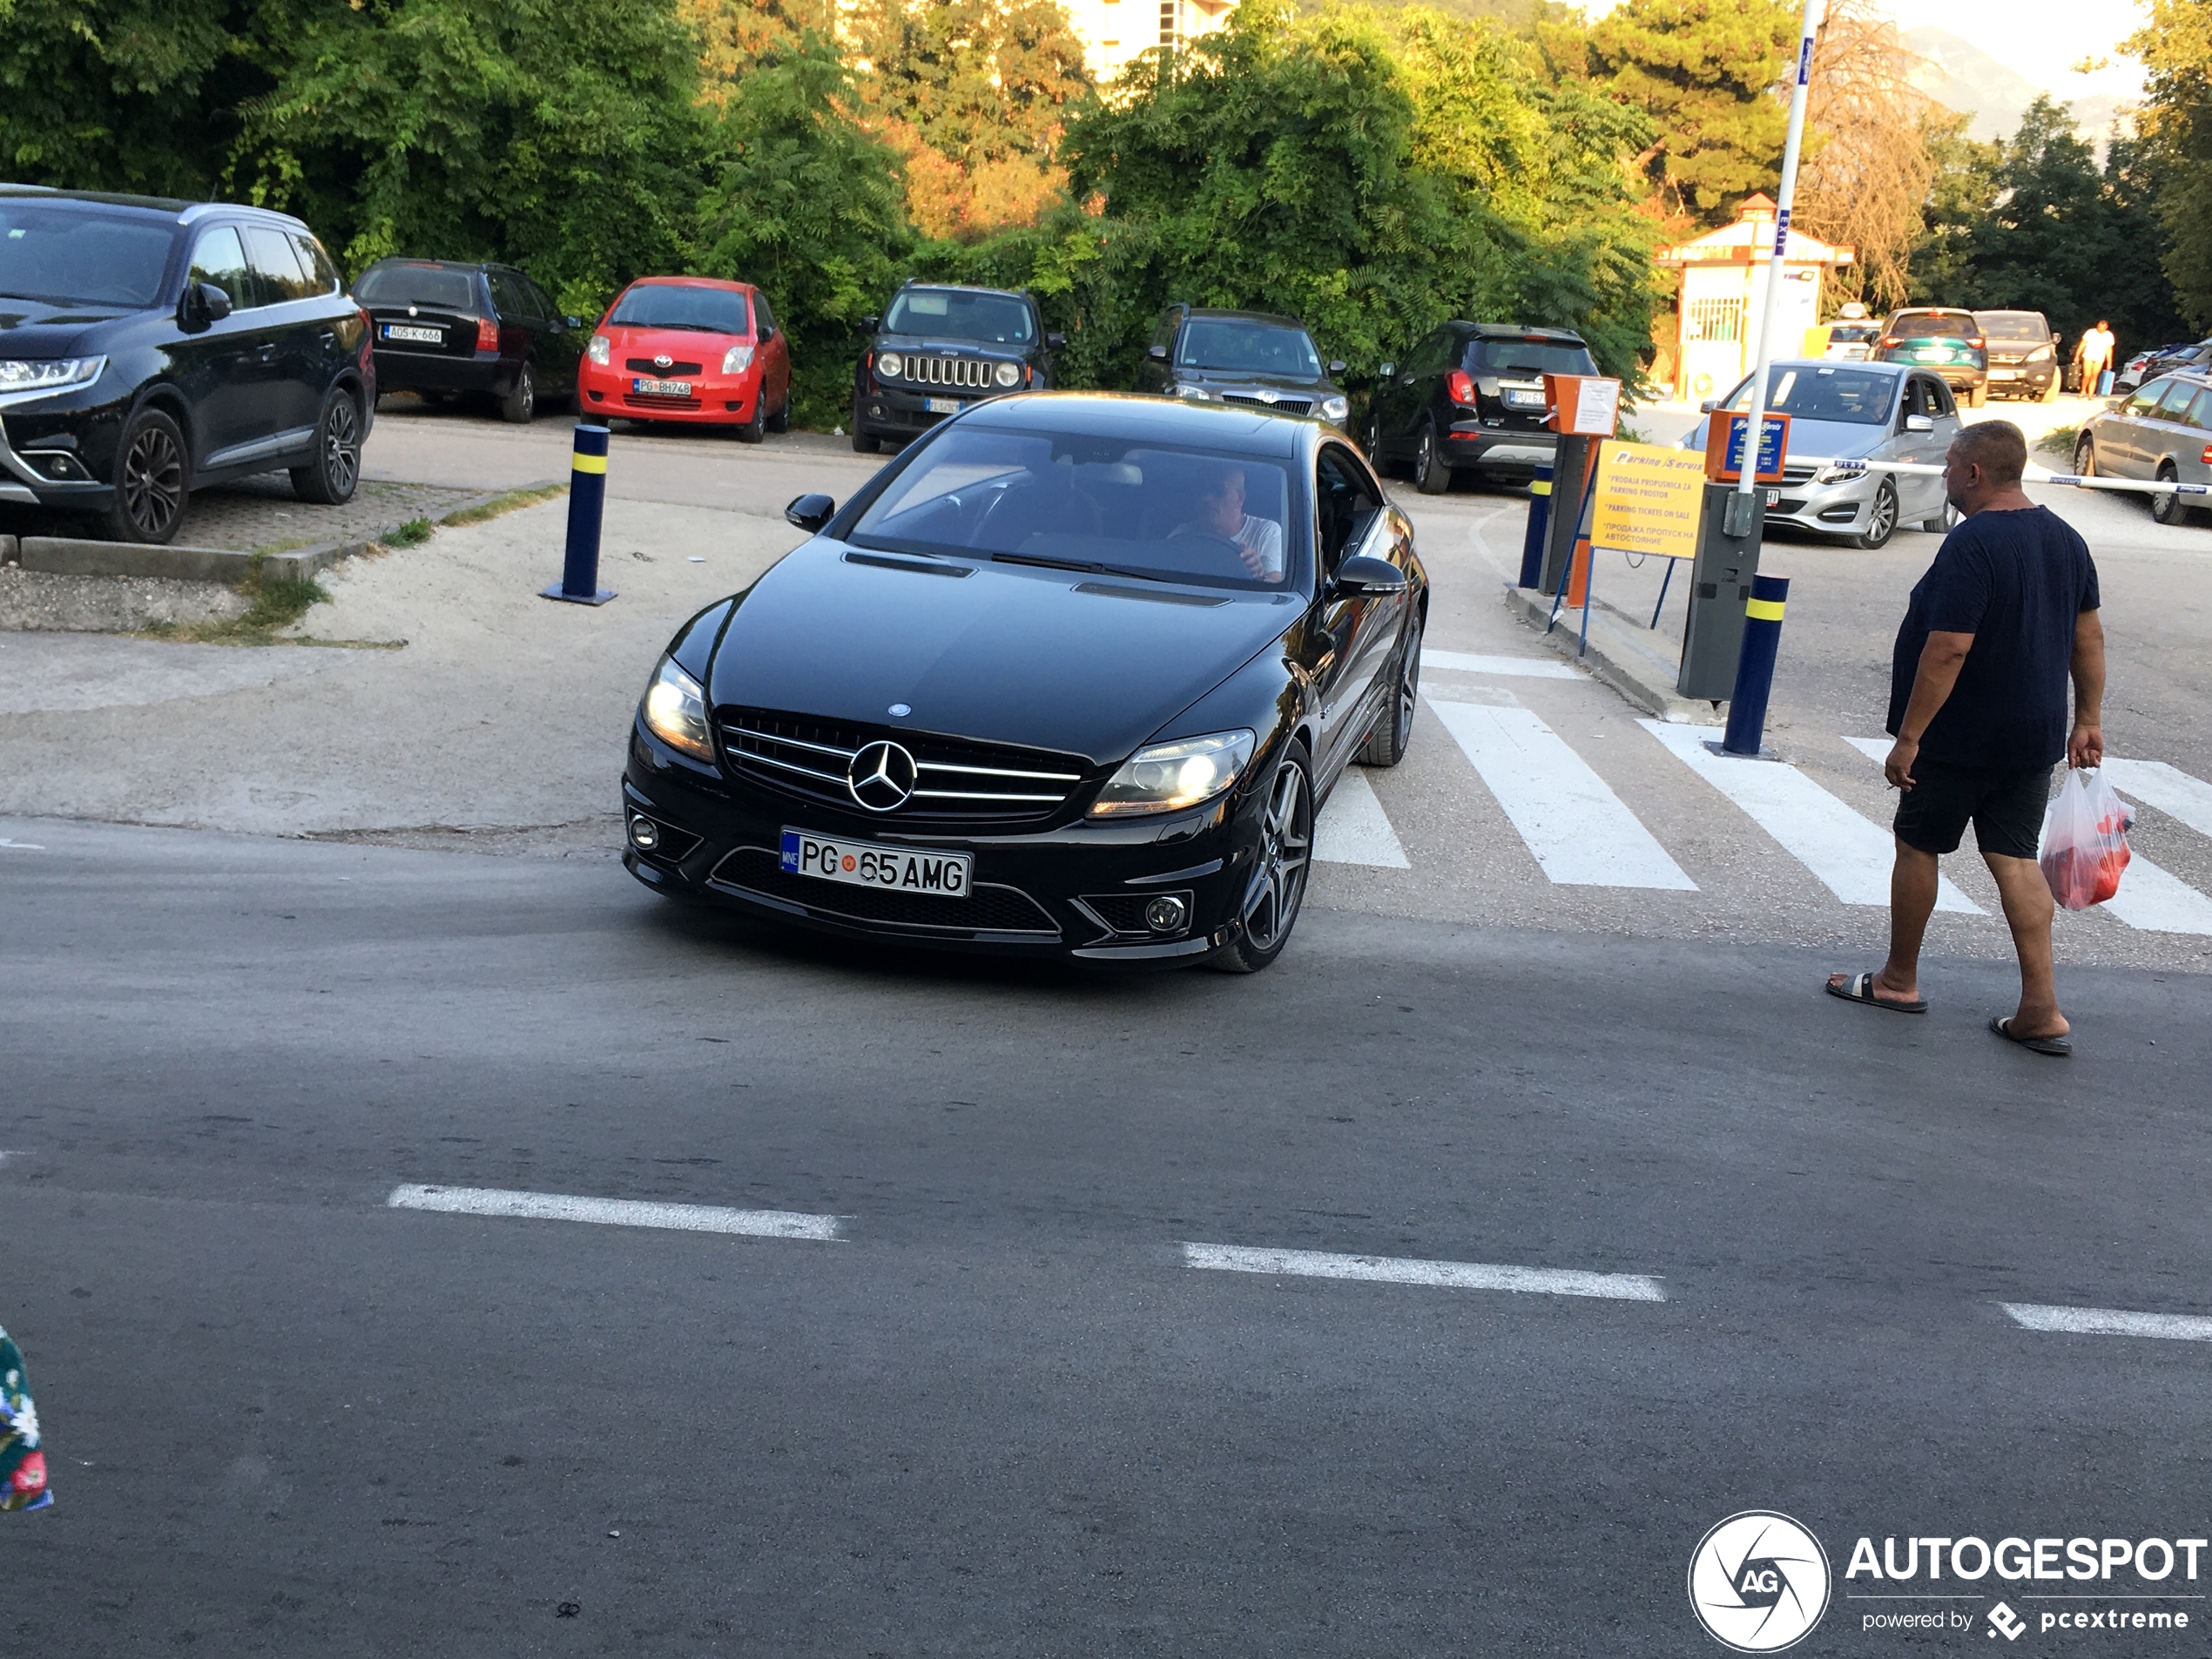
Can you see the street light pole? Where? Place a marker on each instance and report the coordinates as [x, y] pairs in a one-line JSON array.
[[1740, 516]]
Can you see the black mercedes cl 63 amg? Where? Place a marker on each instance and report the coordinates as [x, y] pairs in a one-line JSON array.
[[1071, 677]]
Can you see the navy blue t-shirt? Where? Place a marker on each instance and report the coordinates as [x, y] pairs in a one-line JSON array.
[[2017, 582]]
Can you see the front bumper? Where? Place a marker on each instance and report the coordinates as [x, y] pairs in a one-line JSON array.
[[885, 412], [58, 449], [715, 399], [1829, 509], [1071, 891]]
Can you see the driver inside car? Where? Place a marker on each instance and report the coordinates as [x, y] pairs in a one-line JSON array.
[[1221, 512]]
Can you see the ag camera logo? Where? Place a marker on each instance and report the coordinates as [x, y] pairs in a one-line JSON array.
[[1759, 1582]]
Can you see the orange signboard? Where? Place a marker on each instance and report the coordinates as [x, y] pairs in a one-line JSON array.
[[1724, 430], [1583, 405]]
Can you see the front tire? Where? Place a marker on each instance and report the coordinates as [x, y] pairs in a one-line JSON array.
[[864, 442], [1977, 397], [2168, 509], [2085, 457], [1941, 523], [150, 491], [752, 430], [2051, 392], [1431, 476], [520, 406], [1385, 744], [1881, 517], [331, 477], [1277, 889]]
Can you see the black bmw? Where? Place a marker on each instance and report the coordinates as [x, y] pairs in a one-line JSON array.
[[1069, 677]]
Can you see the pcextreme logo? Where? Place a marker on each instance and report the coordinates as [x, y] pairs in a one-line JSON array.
[[1759, 1582]]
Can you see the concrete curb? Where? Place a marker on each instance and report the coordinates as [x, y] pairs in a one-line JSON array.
[[74, 556], [1627, 657]]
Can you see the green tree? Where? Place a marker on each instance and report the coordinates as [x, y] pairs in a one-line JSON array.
[[2176, 47], [1705, 71], [978, 80]]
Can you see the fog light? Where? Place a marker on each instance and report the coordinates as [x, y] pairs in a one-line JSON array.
[[1166, 915], [645, 834]]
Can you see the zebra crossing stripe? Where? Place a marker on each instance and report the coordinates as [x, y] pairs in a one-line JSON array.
[[2169, 788], [1531, 668], [1353, 828], [1575, 825], [1846, 853]]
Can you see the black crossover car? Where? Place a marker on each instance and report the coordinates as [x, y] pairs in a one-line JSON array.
[[443, 328], [148, 347], [1471, 395], [1253, 358], [1071, 677], [939, 349]]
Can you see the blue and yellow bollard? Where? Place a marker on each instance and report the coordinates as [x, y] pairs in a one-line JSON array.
[[579, 583], [1755, 666], [1540, 517]]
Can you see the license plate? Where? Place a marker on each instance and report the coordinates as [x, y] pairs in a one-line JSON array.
[[2004, 373], [1524, 400], [412, 332], [864, 864], [943, 405], [660, 389]]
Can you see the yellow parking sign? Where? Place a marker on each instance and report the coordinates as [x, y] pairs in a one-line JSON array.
[[1648, 499]]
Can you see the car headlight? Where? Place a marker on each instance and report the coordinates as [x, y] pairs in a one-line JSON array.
[[1196, 394], [2041, 354], [1167, 777], [1007, 373], [49, 375], [601, 350], [674, 711], [889, 364], [1840, 472], [737, 360], [1335, 409]]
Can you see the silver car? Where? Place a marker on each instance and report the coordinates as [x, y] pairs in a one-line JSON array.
[[2162, 431], [1857, 413]]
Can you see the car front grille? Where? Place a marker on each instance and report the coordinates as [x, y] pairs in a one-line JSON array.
[[1798, 475], [647, 366], [988, 908], [1281, 405], [969, 373], [957, 781], [638, 402]]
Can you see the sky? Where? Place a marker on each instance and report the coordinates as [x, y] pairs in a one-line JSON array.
[[2042, 39]]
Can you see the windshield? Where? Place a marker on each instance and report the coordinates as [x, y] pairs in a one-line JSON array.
[[67, 257], [1527, 357], [1249, 349], [994, 318], [1841, 392], [714, 311], [1953, 324], [1109, 506], [2013, 325], [417, 284]]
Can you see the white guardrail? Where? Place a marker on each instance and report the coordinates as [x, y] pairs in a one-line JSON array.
[[2033, 476]]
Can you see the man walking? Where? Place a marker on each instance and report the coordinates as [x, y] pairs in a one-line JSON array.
[[2093, 351], [2004, 617]]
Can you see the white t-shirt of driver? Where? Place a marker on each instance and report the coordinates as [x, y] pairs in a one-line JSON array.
[[1263, 539]]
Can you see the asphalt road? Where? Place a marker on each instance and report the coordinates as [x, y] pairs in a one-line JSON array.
[[1001, 1414]]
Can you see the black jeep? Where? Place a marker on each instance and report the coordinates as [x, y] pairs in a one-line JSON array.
[[940, 348]]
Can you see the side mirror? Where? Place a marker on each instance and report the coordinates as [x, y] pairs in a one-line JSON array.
[[1709, 406], [1919, 423], [767, 332], [201, 304], [1386, 370], [810, 513], [1336, 366], [1362, 574], [1055, 342], [867, 324], [573, 323], [1158, 354]]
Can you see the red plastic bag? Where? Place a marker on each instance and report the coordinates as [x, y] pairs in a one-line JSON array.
[[2084, 840]]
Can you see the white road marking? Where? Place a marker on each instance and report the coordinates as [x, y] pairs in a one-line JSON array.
[[2151, 898], [614, 1212], [22, 846], [2110, 1322], [1849, 855], [1532, 668], [1400, 1269], [2169, 788], [1353, 829], [1574, 824]]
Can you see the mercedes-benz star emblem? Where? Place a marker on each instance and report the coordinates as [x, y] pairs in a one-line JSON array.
[[882, 776], [662, 360]]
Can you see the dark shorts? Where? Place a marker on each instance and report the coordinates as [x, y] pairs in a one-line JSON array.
[[2005, 807]]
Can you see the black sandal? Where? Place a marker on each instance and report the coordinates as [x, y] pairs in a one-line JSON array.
[[1859, 988], [2057, 1048]]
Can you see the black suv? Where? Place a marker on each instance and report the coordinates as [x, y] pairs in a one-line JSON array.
[[940, 348], [148, 347], [442, 328], [1471, 395], [1254, 358]]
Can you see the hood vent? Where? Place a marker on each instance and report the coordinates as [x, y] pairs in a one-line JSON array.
[[920, 567]]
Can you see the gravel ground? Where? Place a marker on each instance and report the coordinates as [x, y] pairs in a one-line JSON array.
[[262, 515], [39, 601]]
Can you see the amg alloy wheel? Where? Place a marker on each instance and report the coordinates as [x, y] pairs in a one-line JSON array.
[[1385, 744], [1277, 885], [150, 492], [331, 477]]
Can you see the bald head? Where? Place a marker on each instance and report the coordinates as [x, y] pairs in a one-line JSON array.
[[1997, 447]]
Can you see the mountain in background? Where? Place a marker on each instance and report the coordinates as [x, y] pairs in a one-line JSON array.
[[1960, 76]]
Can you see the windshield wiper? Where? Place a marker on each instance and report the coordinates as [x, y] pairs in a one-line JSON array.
[[1088, 569]]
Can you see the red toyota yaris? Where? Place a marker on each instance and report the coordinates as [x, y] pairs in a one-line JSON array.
[[689, 349]]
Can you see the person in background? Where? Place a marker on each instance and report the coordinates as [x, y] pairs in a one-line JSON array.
[[23, 1464], [2093, 351]]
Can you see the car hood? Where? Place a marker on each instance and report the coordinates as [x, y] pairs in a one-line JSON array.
[[681, 345], [34, 329], [1011, 654], [951, 346], [1237, 379], [1816, 440]]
